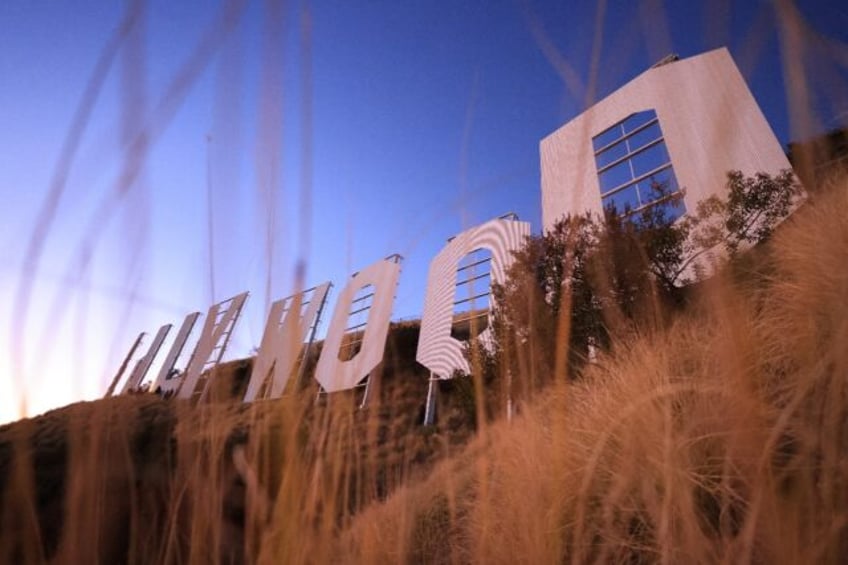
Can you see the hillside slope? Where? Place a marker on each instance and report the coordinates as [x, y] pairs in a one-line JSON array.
[[121, 478], [721, 438]]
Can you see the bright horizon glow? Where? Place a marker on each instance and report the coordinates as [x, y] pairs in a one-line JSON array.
[[377, 130]]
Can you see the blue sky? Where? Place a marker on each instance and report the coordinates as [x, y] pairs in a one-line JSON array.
[[403, 122]]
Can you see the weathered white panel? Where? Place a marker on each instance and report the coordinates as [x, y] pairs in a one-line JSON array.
[[437, 350], [710, 122], [144, 363], [219, 324], [333, 374], [165, 380], [124, 364], [288, 326]]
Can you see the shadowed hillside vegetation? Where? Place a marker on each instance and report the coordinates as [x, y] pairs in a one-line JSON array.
[[141, 474], [629, 408], [720, 436]]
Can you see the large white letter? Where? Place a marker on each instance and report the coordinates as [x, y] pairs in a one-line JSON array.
[[289, 325], [166, 380], [335, 374], [144, 363], [437, 349], [217, 329]]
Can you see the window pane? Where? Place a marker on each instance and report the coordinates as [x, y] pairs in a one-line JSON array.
[[615, 176], [666, 177], [671, 209], [473, 279], [649, 159], [468, 302], [474, 257], [643, 137], [613, 153], [624, 200], [674, 208], [658, 185], [470, 282], [634, 148], [641, 118], [606, 137]]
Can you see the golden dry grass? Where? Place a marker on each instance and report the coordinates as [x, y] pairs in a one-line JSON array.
[[140, 479], [722, 439]]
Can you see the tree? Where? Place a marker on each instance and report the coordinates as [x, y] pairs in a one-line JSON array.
[[589, 280], [547, 299], [643, 252], [755, 206], [746, 215]]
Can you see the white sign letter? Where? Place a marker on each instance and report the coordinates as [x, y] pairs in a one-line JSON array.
[[288, 326], [335, 374], [437, 349], [217, 329]]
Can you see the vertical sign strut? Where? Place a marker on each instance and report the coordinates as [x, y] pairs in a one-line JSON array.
[[432, 392]]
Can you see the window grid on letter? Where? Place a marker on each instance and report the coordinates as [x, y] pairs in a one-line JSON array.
[[472, 295], [633, 163], [357, 319]]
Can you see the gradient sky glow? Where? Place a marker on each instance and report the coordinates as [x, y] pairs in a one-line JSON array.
[[331, 133]]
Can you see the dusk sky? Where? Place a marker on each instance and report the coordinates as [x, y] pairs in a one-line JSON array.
[[402, 123]]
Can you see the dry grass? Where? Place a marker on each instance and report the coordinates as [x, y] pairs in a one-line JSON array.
[[722, 439], [139, 479]]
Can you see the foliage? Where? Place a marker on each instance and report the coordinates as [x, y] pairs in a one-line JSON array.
[[589, 280], [720, 439], [546, 299], [656, 237], [755, 205]]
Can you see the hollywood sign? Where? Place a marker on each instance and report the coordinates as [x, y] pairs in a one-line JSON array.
[[460, 276]]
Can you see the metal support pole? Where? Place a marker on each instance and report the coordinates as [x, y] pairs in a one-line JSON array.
[[432, 393], [509, 406], [365, 394]]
